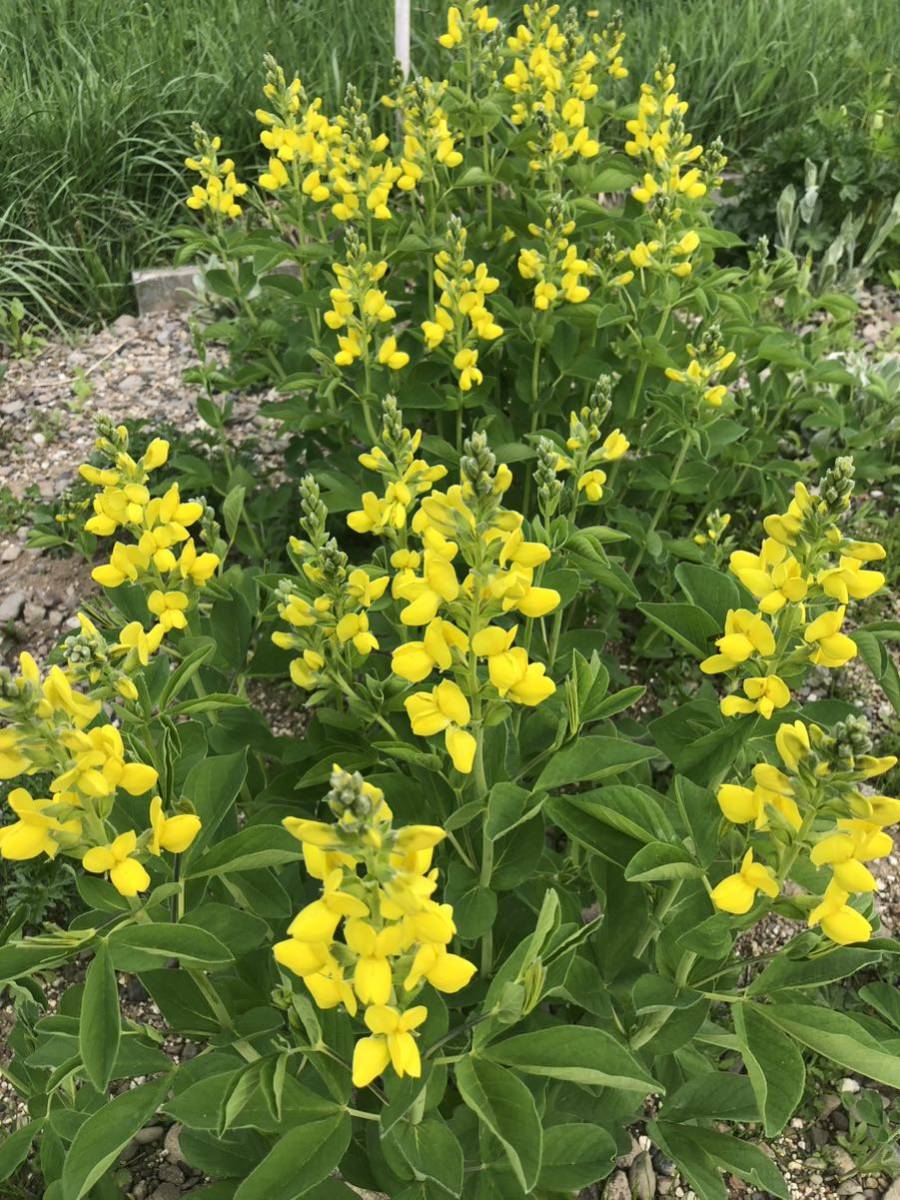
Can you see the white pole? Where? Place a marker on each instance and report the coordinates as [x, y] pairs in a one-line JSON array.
[[401, 34]]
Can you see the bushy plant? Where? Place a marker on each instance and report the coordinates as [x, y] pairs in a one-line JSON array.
[[481, 915]]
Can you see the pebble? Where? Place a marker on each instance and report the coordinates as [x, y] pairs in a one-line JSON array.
[[131, 384], [893, 1192], [152, 1133], [169, 1173], [642, 1177], [166, 1191], [11, 606], [173, 1143], [32, 612], [11, 553], [617, 1187]]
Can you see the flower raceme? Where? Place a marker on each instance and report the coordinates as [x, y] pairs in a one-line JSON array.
[[461, 318], [377, 890], [220, 189], [795, 580], [358, 307], [457, 621], [163, 558], [47, 726], [816, 786]]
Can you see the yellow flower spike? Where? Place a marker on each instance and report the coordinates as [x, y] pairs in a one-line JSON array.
[[392, 1043], [126, 874], [746, 634], [737, 893], [765, 693], [174, 834], [831, 647], [839, 921]]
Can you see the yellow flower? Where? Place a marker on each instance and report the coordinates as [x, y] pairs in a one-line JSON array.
[[372, 975], [355, 627], [169, 608], [774, 576], [591, 483], [848, 581], [197, 568], [414, 661], [792, 743], [126, 874], [174, 834], [832, 648], [737, 893], [365, 590], [444, 709], [12, 761], [445, 972], [839, 921], [746, 634], [390, 356], [764, 694], [144, 643], [784, 527], [392, 1043], [33, 833], [99, 766], [517, 679]]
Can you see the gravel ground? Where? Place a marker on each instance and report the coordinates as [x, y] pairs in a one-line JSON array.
[[134, 370]]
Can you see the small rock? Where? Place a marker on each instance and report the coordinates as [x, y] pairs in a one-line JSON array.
[[893, 1192], [11, 553], [664, 1186], [850, 1187], [166, 1191], [850, 1085], [819, 1136], [33, 613], [617, 1187], [169, 1173], [152, 1133], [642, 1177], [124, 324], [139, 1191], [841, 1162], [131, 384], [173, 1144], [11, 606]]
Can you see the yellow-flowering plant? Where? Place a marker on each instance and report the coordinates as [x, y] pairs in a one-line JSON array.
[[466, 909]]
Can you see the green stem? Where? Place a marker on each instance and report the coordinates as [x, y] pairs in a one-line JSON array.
[[664, 500], [657, 1019]]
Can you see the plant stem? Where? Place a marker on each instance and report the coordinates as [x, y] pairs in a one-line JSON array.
[[664, 500]]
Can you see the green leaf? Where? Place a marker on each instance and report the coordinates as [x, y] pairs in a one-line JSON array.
[[661, 860], [187, 669], [507, 1108], [575, 1156], [302, 1158], [433, 1151], [251, 848], [508, 807], [775, 1066], [212, 786], [232, 508], [15, 1146], [594, 757], [631, 810], [695, 1164], [100, 1027], [689, 625], [812, 972], [104, 1135], [738, 1157], [578, 1053], [23, 958], [583, 825], [146, 947], [885, 998], [839, 1038], [713, 591]]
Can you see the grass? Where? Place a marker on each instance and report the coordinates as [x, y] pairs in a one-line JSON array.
[[96, 101]]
